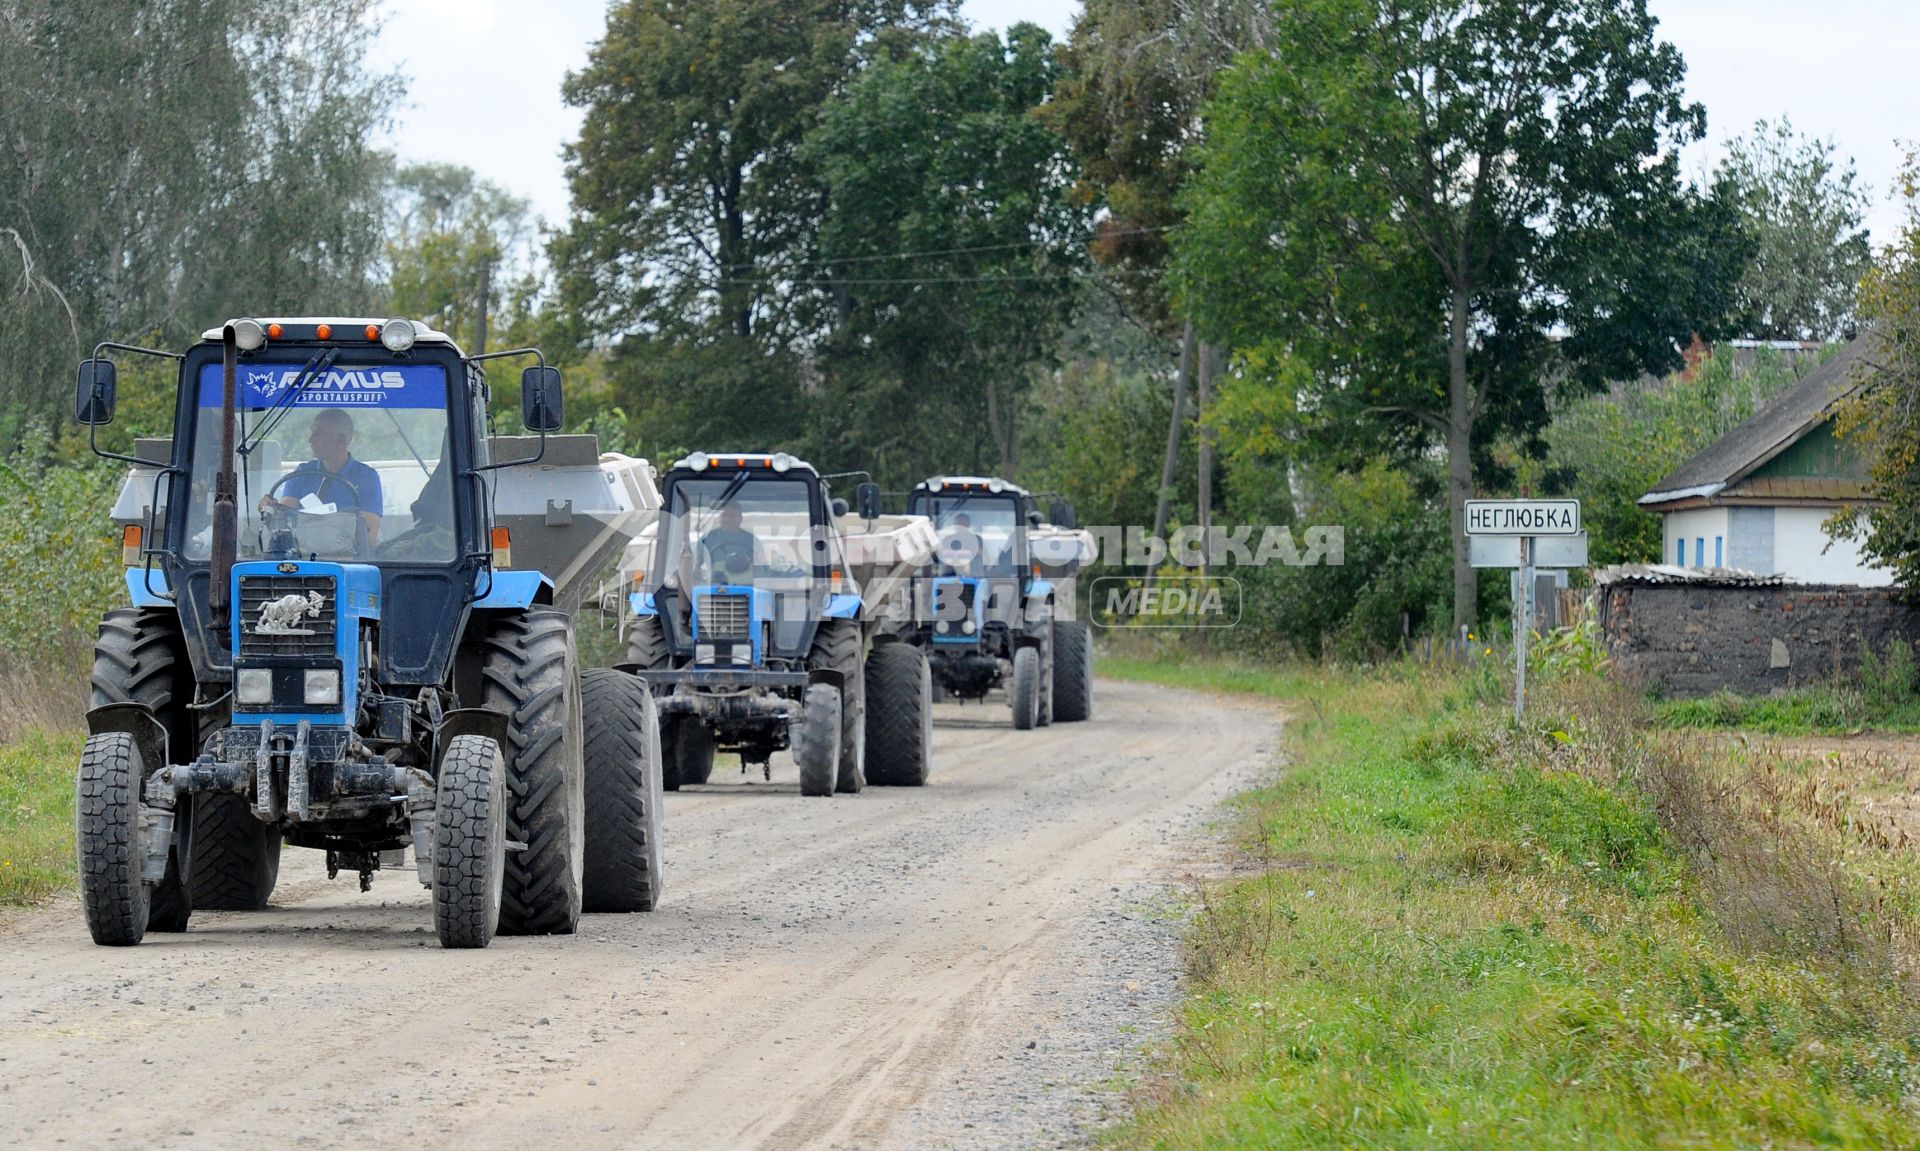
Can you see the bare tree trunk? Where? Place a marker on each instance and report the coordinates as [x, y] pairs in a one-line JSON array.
[[1209, 362], [1173, 437], [1460, 416]]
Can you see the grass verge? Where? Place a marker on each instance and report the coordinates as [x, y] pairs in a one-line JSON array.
[[1468, 935], [36, 815]]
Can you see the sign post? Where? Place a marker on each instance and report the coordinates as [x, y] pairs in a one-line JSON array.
[[1519, 534]]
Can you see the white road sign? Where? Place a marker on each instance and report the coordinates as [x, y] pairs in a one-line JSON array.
[[1523, 517], [1548, 551]]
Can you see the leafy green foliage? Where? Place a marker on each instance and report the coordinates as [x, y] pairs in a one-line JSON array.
[[1421, 200], [937, 150], [1807, 215], [1666, 421], [176, 163], [1885, 419], [36, 816], [59, 558], [447, 227]]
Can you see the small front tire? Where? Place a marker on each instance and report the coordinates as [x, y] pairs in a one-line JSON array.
[[469, 843], [816, 740], [1024, 692], [116, 899]]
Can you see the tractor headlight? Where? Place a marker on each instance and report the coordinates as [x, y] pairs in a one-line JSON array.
[[253, 685], [703, 653], [248, 335], [397, 335], [966, 625], [996, 485], [782, 461], [323, 686], [697, 461], [942, 627]]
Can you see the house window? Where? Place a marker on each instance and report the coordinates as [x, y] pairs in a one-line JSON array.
[[1680, 552], [1700, 551], [1719, 551]]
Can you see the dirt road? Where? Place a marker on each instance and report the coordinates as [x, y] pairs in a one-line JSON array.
[[968, 965]]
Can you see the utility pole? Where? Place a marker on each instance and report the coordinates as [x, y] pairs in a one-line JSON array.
[[1172, 462], [1209, 360], [486, 298]]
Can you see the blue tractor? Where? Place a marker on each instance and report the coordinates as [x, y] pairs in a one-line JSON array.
[[342, 654], [988, 609], [756, 634]]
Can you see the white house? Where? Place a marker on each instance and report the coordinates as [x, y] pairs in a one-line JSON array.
[[1756, 499]]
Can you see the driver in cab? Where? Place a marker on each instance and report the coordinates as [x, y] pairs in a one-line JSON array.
[[961, 547], [730, 550], [333, 476]]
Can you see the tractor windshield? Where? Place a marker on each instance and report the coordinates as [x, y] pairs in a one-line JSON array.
[[976, 531], [741, 528], [346, 467]]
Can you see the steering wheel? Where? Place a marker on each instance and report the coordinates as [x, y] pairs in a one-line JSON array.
[[326, 477], [732, 556]]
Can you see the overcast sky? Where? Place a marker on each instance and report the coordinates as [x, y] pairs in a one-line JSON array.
[[484, 78]]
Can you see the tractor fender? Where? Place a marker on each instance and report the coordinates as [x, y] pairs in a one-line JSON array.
[[138, 721], [513, 589]]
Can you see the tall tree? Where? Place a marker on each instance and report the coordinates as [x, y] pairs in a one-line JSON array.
[[1441, 205], [1885, 418], [1807, 213], [175, 162], [691, 200], [451, 233], [950, 248]]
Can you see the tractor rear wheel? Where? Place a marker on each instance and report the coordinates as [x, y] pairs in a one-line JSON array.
[[816, 740], [836, 648], [1023, 693], [469, 842], [529, 673], [899, 716], [1072, 671], [624, 864]]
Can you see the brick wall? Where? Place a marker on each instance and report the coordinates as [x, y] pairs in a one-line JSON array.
[[1695, 638]]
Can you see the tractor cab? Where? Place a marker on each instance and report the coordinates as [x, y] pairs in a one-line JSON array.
[[747, 562], [981, 574]]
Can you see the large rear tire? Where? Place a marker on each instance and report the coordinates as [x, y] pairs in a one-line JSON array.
[[693, 749], [529, 673], [899, 716], [469, 842], [1023, 693], [236, 858], [624, 827], [1072, 671], [107, 816], [816, 740], [836, 648], [141, 658]]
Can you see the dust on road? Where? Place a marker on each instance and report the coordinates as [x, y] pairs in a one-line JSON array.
[[965, 965]]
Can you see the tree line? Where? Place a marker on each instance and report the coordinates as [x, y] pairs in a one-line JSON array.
[[1226, 260]]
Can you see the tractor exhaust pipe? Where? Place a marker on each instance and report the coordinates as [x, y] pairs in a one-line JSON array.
[[225, 494]]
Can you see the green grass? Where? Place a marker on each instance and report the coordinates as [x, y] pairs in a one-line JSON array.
[[1816, 711], [36, 816], [1465, 937]]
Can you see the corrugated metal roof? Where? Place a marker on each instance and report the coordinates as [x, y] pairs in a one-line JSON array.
[[1670, 574]]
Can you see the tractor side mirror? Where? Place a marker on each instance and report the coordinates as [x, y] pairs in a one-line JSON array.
[[867, 498], [541, 408], [94, 390], [839, 507], [1063, 515], [1033, 517]]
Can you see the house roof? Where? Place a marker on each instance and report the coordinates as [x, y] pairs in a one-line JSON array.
[[1770, 431]]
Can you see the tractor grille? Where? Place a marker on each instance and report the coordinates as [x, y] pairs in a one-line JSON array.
[[725, 616], [256, 592], [953, 602]]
